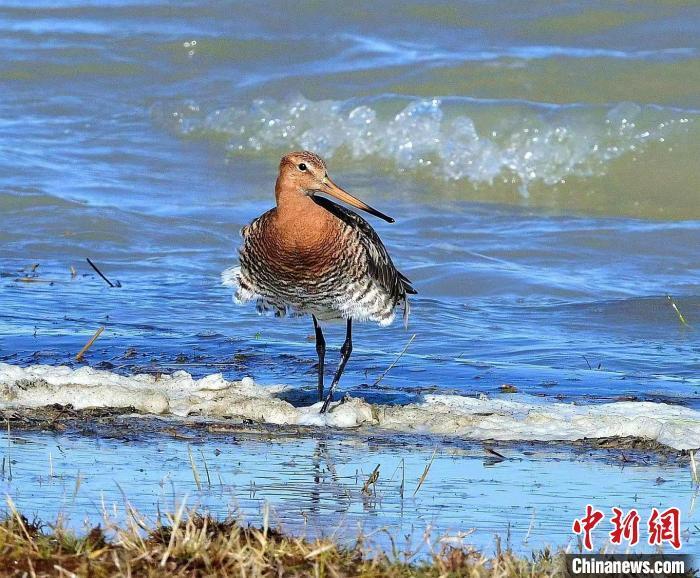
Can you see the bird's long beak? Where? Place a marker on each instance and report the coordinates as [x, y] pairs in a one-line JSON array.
[[330, 188]]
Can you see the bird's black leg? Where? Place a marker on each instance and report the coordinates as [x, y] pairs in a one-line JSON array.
[[345, 352], [321, 350]]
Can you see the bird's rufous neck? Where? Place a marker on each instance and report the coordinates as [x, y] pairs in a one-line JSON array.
[[299, 221], [291, 199]]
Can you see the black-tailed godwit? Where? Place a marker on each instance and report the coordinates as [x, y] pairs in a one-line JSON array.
[[309, 255]]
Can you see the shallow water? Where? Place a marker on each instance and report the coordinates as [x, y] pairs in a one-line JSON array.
[[315, 487], [541, 162]]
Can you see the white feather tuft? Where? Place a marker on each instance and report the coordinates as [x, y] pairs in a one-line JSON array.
[[230, 277]]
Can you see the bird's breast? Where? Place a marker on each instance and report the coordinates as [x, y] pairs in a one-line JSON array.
[[300, 251]]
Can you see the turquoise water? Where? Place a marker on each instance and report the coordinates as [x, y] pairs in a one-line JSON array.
[[540, 161]]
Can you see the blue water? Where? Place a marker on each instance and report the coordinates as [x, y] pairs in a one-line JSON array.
[[313, 487], [540, 161], [553, 305]]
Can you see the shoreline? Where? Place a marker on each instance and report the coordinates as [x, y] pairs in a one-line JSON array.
[[510, 417], [119, 422]]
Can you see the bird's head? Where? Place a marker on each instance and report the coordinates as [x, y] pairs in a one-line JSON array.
[[305, 173]]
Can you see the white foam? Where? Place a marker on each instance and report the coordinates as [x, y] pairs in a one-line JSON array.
[[178, 394], [518, 417], [441, 139], [500, 419]]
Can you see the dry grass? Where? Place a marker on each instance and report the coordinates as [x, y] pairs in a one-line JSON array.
[[193, 545]]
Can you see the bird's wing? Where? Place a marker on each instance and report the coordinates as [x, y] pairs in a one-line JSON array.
[[255, 224], [381, 267]]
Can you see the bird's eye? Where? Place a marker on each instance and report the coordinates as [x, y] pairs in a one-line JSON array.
[[302, 166]]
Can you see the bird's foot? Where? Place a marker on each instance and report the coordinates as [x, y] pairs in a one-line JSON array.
[[329, 399]]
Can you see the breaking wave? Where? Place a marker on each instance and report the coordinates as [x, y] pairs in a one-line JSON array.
[[451, 139], [516, 418]]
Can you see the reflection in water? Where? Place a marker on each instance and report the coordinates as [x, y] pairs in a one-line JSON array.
[[312, 486]]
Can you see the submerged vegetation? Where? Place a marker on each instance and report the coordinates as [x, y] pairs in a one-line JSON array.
[[195, 545]]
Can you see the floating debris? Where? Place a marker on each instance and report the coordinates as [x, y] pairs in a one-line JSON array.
[[116, 284], [88, 345], [678, 313], [371, 481], [425, 472]]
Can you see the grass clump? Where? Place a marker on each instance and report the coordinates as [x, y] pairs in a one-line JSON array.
[[195, 545]]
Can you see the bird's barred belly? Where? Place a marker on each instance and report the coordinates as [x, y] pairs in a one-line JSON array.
[[328, 297]]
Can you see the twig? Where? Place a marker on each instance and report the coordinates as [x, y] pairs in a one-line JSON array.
[[694, 468], [101, 274], [206, 468], [20, 521], [373, 477], [195, 473], [88, 345], [402, 465], [318, 551], [9, 455], [425, 472], [529, 528], [675, 308], [398, 357], [77, 487], [173, 532], [494, 453]]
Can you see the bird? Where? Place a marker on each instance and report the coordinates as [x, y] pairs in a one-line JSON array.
[[311, 256]]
